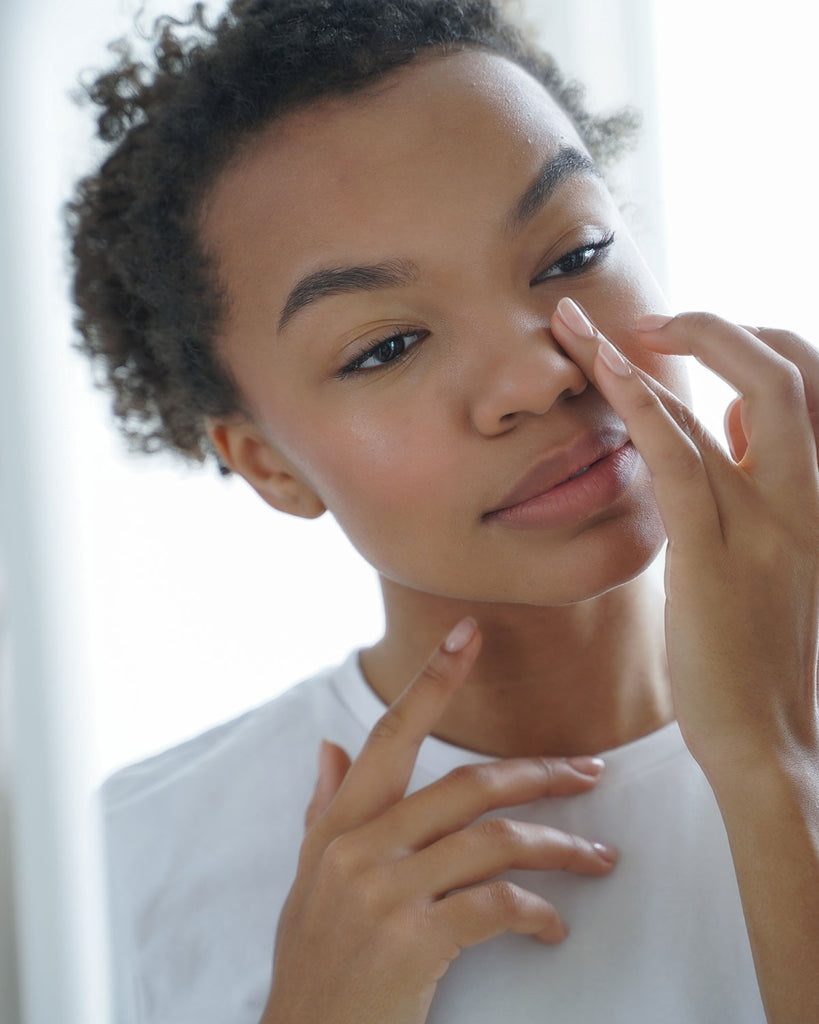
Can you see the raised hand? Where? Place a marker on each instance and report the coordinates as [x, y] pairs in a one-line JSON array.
[[742, 572], [390, 888], [742, 607]]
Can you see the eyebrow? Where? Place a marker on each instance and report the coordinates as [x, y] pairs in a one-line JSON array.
[[567, 162], [336, 280]]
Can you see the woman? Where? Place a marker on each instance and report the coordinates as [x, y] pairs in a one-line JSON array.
[[365, 254]]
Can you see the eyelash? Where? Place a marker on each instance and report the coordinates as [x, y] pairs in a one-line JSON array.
[[597, 250], [356, 365]]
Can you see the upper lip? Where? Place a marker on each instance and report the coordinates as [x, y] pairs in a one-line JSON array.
[[559, 465]]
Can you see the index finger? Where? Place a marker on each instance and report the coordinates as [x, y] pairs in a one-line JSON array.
[[379, 776]]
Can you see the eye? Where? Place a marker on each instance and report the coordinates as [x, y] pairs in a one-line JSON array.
[[383, 353], [577, 260]]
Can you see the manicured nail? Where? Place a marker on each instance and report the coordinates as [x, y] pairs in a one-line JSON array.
[[606, 853], [460, 636], [574, 318], [612, 358], [587, 765], [653, 321]]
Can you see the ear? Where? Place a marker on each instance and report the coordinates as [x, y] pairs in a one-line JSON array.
[[243, 448], [737, 441]]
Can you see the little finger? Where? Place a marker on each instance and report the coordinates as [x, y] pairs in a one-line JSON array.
[[472, 916]]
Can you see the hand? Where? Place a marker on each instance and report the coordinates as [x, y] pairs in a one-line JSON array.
[[390, 889], [742, 570]]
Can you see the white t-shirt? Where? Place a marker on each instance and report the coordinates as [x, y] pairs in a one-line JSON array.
[[203, 842]]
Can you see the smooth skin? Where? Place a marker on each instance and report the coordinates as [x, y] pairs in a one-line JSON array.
[[373, 896], [410, 458]]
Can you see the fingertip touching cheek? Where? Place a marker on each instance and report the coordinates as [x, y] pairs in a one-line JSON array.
[[392, 260]]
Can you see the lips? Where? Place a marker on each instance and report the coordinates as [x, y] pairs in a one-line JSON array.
[[560, 465]]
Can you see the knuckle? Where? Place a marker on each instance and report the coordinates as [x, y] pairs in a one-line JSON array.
[[645, 401], [551, 769], [341, 859], [433, 676], [506, 898], [575, 851], [699, 321], [388, 727], [501, 832], [463, 775], [479, 778], [789, 387], [687, 464]]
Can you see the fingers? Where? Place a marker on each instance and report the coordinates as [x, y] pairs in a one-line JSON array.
[[333, 766], [774, 386], [380, 774], [673, 451], [468, 792], [490, 847], [475, 915]]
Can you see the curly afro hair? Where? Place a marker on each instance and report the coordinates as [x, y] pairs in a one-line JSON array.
[[149, 301]]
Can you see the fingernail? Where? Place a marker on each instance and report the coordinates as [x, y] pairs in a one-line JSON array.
[[612, 358], [606, 853], [653, 321], [587, 765], [574, 317], [460, 636]]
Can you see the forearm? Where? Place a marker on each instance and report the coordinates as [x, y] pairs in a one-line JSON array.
[[772, 819]]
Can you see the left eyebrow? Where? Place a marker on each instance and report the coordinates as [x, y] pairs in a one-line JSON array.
[[338, 280], [566, 163]]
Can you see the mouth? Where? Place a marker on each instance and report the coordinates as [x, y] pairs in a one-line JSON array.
[[570, 483]]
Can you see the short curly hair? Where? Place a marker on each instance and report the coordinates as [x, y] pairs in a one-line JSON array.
[[149, 301]]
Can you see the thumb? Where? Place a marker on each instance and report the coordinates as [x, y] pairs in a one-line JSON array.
[[737, 441], [333, 766]]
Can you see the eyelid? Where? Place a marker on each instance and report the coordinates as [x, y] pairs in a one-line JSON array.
[[600, 247], [354, 365]]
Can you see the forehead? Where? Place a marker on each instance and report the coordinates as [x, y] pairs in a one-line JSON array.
[[445, 138]]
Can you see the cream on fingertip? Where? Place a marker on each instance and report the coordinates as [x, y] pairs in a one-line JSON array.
[[460, 636]]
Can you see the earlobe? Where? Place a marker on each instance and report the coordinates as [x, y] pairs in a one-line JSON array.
[[246, 451]]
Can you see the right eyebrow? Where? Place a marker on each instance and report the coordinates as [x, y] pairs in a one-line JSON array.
[[339, 280]]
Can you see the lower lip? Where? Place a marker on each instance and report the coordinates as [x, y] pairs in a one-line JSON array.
[[575, 500]]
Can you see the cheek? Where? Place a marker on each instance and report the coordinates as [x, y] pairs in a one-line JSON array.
[[380, 478]]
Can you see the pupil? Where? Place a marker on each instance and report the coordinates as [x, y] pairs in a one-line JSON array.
[[576, 259], [389, 349]]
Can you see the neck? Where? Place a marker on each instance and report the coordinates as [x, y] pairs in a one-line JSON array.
[[578, 679]]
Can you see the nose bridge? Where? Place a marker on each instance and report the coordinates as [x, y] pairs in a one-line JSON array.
[[515, 367]]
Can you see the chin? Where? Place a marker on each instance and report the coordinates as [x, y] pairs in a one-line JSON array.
[[606, 559]]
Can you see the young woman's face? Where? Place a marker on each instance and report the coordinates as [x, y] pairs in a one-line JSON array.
[[419, 394]]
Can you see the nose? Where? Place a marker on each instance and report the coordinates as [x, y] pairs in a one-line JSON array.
[[522, 372]]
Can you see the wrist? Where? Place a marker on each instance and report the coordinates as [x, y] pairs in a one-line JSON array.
[[767, 783]]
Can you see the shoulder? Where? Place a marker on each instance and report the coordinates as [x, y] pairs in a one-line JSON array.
[[279, 733]]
